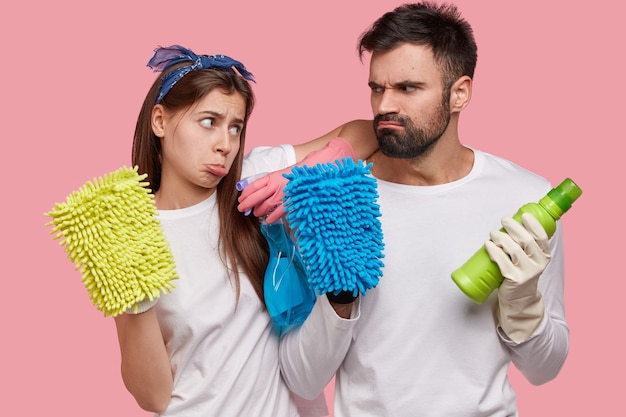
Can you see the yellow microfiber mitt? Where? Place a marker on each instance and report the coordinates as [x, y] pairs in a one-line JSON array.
[[110, 232]]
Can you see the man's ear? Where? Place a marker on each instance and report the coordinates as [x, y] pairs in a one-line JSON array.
[[460, 94], [158, 121]]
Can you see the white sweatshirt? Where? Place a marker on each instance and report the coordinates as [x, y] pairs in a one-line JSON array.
[[416, 345]]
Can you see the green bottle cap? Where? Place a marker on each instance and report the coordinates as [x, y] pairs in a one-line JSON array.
[[565, 194]]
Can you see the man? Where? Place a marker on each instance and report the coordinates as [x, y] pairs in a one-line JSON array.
[[416, 345]]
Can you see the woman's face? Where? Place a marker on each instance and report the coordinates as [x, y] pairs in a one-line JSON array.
[[199, 145]]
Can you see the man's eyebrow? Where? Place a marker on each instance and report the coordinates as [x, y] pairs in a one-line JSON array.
[[398, 84]]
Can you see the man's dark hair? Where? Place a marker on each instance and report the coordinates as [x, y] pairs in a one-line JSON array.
[[439, 27]]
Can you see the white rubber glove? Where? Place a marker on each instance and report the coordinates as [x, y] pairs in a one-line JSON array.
[[265, 195], [522, 253]]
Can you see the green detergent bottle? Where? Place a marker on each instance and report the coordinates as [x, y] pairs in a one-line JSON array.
[[479, 276]]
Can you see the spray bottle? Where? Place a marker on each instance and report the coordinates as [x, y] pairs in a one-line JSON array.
[[479, 276], [288, 296]]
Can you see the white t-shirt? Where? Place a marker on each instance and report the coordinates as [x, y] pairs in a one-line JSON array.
[[224, 354], [418, 346]]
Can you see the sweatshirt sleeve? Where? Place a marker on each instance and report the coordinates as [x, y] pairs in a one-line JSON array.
[[541, 358], [311, 354], [265, 159]]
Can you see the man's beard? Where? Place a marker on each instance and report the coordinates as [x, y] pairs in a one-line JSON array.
[[416, 141]]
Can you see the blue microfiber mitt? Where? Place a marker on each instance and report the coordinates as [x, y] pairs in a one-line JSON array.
[[332, 208]]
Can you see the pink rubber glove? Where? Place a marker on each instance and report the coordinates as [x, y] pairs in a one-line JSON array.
[[264, 196], [522, 254]]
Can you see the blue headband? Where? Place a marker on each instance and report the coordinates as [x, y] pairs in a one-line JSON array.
[[166, 57]]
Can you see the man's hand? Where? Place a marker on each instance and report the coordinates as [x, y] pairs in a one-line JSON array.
[[522, 254]]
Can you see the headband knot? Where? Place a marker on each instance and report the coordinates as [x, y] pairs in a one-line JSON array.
[[164, 58]]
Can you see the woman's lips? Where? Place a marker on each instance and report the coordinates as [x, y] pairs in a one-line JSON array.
[[218, 170]]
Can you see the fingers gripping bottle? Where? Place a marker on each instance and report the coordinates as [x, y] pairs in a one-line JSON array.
[[479, 276]]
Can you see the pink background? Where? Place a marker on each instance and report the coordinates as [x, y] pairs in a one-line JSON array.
[[548, 95]]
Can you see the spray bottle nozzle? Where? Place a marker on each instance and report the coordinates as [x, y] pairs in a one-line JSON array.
[[244, 182]]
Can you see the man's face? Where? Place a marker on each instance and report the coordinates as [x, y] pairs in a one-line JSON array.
[[411, 109]]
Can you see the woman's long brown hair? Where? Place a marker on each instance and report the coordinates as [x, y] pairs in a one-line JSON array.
[[242, 247]]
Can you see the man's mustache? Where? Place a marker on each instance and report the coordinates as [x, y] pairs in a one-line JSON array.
[[389, 118]]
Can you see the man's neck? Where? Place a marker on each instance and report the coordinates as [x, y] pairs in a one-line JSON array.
[[442, 164]]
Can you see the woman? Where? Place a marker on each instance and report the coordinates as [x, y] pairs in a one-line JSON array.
[[207, 348]]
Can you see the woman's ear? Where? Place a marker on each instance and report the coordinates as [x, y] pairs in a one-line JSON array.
[[158, 121], [460, 94]]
